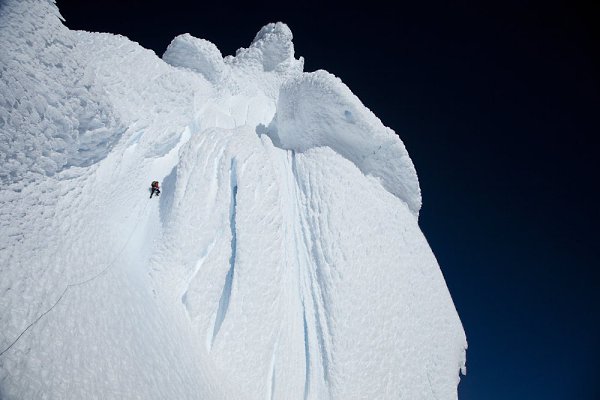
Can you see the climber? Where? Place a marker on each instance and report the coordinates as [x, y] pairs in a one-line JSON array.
[[154, 188]]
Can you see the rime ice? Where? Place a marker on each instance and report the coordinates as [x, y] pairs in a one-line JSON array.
[[283, 259]]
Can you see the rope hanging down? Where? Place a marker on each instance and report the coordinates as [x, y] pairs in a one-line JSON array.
[[110, 265]]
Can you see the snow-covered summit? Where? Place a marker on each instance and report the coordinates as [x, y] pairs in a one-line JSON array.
[[272, 48], [283, 259]]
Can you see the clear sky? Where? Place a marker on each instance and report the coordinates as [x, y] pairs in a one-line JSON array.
[[498, 107]]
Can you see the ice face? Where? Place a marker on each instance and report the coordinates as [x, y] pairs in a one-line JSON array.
[[52, 115], [282, 260], [317, 109]]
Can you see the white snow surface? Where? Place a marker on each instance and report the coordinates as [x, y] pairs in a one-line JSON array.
[[283, 259]]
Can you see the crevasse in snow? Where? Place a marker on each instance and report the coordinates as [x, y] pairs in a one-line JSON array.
[[283, 259]]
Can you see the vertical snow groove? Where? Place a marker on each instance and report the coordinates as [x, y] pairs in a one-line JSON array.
[[301, 236], [318, 315], [199, 264], [297, 262], [272, 375], [306, 356], [313, 291], [226, 294]]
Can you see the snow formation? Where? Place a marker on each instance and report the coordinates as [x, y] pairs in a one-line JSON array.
[[283, 259]]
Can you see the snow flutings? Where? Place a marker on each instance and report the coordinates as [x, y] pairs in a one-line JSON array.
[[282, 260]]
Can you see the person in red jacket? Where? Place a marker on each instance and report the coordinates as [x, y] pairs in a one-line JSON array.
[[154, 188]]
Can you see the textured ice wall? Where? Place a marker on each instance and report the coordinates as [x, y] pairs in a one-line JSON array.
[[283, 259], [52, 115], [317, 109]]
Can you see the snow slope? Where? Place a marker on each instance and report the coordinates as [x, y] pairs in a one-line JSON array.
[[283, 259]]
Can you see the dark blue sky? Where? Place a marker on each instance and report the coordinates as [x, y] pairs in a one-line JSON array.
[[498, 107]]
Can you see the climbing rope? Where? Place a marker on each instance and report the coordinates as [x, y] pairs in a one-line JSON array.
[[104, 270]]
